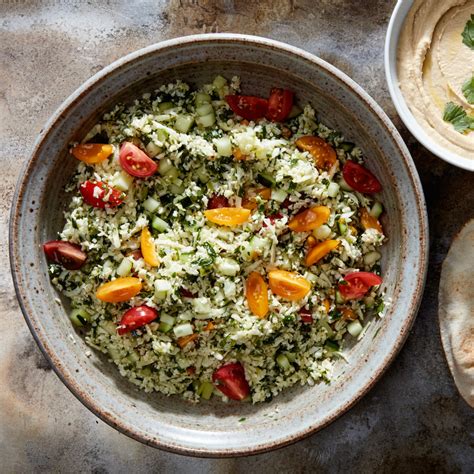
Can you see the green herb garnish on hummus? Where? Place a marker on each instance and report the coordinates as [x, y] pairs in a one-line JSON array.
[[468, 33], [468, 90], [456, 115]]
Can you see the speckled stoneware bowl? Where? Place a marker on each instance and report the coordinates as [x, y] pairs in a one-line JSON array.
[[213, 428]]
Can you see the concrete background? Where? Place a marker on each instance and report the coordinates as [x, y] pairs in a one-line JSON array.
[[412, 421]]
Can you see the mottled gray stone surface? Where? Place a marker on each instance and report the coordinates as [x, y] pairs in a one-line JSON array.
[[412, 421]]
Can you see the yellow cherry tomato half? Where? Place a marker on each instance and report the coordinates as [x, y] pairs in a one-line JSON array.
[[323, 153], [289, 285], [121, 289], [320, 250], [228, 216], [369, 222], [92, 153], [309, 219], [256, 291], [147, 245]]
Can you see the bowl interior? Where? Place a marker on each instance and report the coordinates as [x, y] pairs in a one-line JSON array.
[[391, 46], [213, 428]]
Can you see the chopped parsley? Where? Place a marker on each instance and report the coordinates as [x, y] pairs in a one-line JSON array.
[[468, 90], [468, 33], [456, 115]]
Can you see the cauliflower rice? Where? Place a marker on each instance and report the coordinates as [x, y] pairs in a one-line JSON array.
[[211, 262]]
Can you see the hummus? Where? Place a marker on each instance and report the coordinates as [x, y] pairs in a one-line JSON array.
[[433, 64]]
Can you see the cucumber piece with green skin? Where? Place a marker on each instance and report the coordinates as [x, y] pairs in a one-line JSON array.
[[283, 361], [125, 267], [204, 109], [206, 390], [331, 346], [172, 174], [342, 227], [167, 319], [162, 135], [339, 298], [219, 82], [376, 210], [164, 106], [159, 224], [279, 195], [202, 98], [79, 317], [151, 205], [164, 327], [184, 123], [291, 356], [123, 181], [266, 180], [206, 120], [165, 166]]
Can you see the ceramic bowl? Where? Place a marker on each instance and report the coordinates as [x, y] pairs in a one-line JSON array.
[[215, 428], [391, 45]]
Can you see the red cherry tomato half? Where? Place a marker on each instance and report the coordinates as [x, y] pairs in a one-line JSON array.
[[247, 106], [68, 255], [136, 162], [360, 178], [356, 285], [136, 317], [279, 104], [216, 202], [230, 380], [101, 195], [306, 316]]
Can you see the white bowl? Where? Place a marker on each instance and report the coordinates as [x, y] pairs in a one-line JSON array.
[[391, 45]]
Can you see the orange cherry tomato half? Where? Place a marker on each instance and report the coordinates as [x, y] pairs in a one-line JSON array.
[[136, 162], [309, 219], [250, 199], [289, 285], [369, 222], [136, 317], [279, 104], [360, 178], [230, 380], [323, 153], [247, 106], [101, 195], [121, 289], [228, 216], [92, 153], [147, 245], [319, 251], [256, 291]]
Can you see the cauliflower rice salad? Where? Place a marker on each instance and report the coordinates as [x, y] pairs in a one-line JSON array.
[[219, 244]]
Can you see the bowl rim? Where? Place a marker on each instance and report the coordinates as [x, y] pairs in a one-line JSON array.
[[48, 350], [392, 37]]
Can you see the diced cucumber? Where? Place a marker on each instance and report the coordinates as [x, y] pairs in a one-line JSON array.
[[125, 267], [164, 327], [153, 149], [354, 328], [266, 180], [227, 266], [291, 356], [202, 174], [172, 174], [183, 330], [164, 106], [162, 135], [150, 204], [376, 210], [342, 226], [123, 181], [295, 111], [283, 361], [372, 257], [204, 109], [201, 305], [322, 232], [279, 195], [223, 146], [344, 185], [159, 224], [79, 317], [207, 120], [162, 288], [183, 123], [205, 390], [167, 319], [176, 189], [165, 166], [219, 82], [333, 189], [202, 98], [339, 298]]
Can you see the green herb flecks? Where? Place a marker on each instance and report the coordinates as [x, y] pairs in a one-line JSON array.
[[468, 90], [456, 115], [468, 33]]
